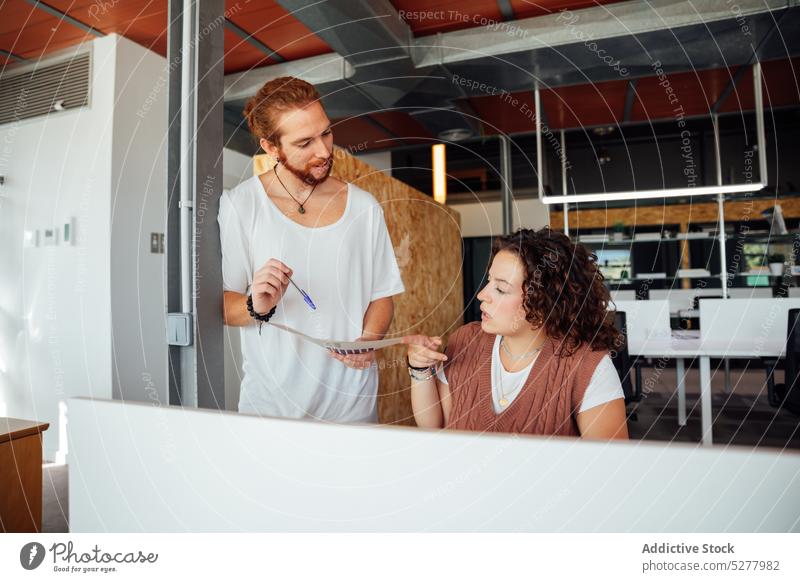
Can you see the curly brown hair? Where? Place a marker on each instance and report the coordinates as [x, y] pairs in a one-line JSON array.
[[563, 289]]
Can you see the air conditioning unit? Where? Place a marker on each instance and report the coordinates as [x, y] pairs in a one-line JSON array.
[[54, 85]]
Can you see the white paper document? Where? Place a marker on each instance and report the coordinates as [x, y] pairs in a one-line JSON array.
[[341, 347]]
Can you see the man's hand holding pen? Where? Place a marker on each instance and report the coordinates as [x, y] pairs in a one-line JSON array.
[[269, 285]]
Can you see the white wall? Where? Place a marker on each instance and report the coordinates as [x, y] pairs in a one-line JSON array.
[[486, 218], [138, 208], [55, 337], [236, 168]]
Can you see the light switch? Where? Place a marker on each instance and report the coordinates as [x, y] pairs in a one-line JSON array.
[[157, 242], [179, 329]]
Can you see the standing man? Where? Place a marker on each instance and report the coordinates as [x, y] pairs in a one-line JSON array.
[[330, 237]]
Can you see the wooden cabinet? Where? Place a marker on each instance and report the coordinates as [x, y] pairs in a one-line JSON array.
[[21, 475]]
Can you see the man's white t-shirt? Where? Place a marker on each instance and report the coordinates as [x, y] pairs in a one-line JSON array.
[[604, 385], [342, 267]]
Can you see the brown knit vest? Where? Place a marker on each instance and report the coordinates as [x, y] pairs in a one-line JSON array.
[[548, 401]]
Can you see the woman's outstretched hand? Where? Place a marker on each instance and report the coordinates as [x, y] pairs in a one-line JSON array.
[[423, 350]]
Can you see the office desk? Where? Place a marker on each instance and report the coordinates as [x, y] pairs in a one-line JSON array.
[[21, 475], [689, 344]]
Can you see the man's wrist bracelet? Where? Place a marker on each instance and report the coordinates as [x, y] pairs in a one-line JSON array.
[[261, 319]]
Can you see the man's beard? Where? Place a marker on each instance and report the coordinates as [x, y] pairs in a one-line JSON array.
[[305, 174]]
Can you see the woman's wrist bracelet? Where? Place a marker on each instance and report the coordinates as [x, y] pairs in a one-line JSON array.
[[417, 368], [421, 378], [420, 373]]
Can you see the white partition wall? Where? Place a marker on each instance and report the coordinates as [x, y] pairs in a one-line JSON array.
[[135, 467], [645, 320], [746, 321], [680, 299], [750, 293], [623, 295]]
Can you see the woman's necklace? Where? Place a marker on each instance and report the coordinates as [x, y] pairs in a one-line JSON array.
[[300, 205], [503, 401], [512, 356]]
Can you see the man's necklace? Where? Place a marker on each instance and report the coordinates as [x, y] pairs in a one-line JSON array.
[[300, 205]]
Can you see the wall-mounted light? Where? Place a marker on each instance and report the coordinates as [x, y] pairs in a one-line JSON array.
[[439, 173], [646, 194]]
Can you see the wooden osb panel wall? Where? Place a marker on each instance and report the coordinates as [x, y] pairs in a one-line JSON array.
[[681, 214], [427, 242]]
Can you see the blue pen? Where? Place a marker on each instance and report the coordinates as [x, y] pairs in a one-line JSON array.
[[306, 298]]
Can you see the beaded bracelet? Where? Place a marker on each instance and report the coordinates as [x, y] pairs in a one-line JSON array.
[[261, 319]]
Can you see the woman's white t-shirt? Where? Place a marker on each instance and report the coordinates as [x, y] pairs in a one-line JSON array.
[[343, 267], [604, 385]]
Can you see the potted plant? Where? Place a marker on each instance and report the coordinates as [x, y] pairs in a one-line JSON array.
[[619, 230], [776, 264]]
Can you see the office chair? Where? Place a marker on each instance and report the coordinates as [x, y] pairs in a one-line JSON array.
[[624, 363], [786, 395]]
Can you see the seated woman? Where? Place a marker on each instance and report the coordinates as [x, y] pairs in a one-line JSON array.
[[538, 362]]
